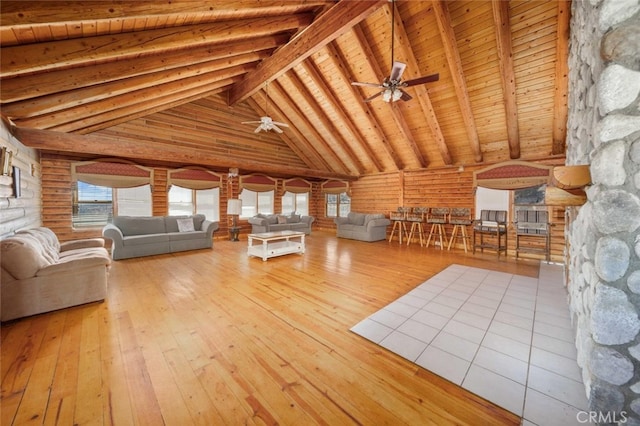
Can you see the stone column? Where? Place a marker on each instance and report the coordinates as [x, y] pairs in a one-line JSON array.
[[603, 236]]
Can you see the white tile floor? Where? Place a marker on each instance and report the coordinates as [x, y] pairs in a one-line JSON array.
[[505, 337]]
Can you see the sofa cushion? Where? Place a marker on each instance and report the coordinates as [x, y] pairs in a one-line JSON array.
[[282, 219], [22, 256], [181, 236], [356, 218], [132, 225], [48, 243], [373, 216], [272, 219], [136, 240]]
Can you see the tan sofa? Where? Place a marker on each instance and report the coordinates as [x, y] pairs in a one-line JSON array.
[[39, 274]]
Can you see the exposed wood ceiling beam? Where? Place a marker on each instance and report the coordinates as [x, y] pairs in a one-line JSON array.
[[15, 13], [76, 118], [338, 144], [422, 93], [297, 116], [158, 104], [69, 53], [74, 98], [65, 142], [394, 111], [42, 84], [338, 62], [329, 26], [457, 74], [315, 75], [507, 73], [560, 105], [320, 121]]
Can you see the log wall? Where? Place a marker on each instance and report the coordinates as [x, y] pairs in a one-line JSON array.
[[377, 193], [25, 211]]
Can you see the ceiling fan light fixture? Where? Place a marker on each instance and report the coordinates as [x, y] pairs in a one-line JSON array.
[[387, 95]]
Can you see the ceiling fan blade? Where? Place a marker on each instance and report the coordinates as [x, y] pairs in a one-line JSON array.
[[250, 122], [357, 83], [276, 128], [405, 96], [370, 98], [397, 70], [280, 124], [257, 130], [422, 80]]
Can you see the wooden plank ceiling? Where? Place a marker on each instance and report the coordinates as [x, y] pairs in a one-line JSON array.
[[173, 80]]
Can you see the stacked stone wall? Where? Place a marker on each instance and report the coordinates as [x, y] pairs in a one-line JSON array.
[[603, 253]]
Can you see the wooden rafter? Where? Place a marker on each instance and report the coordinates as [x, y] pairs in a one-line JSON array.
[[122, 115], [295, 115], [560, 104], [329, 26], [63, 54], [338, 62], [15, 14], [312, 71], [457, 74], [54, 82], [333, 138], [74, 98], [507, 73], [413, 71], [395, 113], [77, 118], [66, 142]]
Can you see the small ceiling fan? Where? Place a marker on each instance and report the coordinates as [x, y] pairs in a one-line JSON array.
[[266, 123], [392, 86]]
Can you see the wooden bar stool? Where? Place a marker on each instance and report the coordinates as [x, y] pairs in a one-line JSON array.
[[460, 218], [416, 219], [399, 218], [437, 217]]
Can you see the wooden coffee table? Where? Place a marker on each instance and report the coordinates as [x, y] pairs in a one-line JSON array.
[[276, 243]]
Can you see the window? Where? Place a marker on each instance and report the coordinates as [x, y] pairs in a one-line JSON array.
[[338, 205], [185, 201], [295, 202], [256, 202], [96, 205]]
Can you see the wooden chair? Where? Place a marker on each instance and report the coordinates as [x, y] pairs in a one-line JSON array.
[[437, 217], [460, 218], [399, 218], [492, 223], [417, 219], [533, 225]]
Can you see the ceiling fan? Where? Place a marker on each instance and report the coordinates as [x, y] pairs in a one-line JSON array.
[[392, 86], [266, 123]]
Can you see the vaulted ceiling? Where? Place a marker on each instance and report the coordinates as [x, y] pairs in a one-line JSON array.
[[173, 81]]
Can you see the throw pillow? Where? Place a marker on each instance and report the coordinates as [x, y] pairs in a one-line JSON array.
[[185, 224], [282, 219]]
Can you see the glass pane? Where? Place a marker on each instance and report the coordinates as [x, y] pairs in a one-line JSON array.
[[345, 204], [288, 203], [265, 202], [208, 203], [332, 210], [302, 204], [249, 203], [94, 206], [180, 201], [134, 201]]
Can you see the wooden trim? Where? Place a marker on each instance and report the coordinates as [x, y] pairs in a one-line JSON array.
[[560, 100]]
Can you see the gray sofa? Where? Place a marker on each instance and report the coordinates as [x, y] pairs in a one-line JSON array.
[[275, 222], [362, 226], [40, 274], [134, 236]]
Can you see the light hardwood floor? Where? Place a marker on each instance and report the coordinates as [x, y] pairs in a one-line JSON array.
[[213, 337]]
